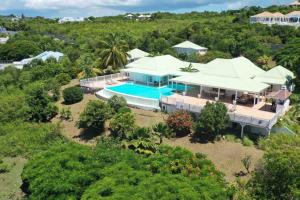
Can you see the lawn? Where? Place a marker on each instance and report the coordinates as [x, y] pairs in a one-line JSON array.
[[225, 155], [10, 182]]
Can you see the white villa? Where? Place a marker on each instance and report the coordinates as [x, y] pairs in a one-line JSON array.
[[144, 17], [3, 40], [129, 16], [295, 3], [255, 98], [136, 54], [43, 56], [188, 48], [70, 19], [291, 19]]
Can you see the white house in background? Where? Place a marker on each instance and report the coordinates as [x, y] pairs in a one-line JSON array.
[[144, 17], [189, 48], [3, 40], [295, 3], [291, 19], [136, 54], [129, 16], [70, 19], [43, 56]]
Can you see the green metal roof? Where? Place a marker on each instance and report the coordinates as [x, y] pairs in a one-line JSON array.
[[229, 83], [275, 76]]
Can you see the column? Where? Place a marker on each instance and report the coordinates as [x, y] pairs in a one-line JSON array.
[[218, 94], [200, 91], [242, 130], [235, 98], [159, 81]]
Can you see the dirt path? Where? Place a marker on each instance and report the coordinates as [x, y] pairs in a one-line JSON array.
[[225, 155]]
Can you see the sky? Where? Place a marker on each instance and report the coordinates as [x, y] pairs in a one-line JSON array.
[[85, 8]]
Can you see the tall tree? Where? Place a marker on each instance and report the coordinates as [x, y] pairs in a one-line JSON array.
[[114, 52]]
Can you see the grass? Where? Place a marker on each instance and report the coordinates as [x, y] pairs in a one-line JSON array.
[[226, 155], [10, 181]]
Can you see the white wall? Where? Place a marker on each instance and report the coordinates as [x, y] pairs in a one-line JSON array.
[[189, 51]]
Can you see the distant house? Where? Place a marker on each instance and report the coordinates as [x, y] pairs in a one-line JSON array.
[[70, 19], [16, 18], [295, 3], [3, 30], [3, 40], [129, 16], [189, 48], [136, 54], [144, 17], [291, 19], [43, 56]]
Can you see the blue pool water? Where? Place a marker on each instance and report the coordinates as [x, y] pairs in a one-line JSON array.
[[142, 91]]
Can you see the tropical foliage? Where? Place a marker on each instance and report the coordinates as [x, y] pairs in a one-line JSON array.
[[111, 172], [72, 95], [180, 122]]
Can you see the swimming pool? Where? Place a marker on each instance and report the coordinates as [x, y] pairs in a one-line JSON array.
[[142, 90]]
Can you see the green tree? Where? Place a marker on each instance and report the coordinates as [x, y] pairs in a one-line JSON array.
[[72, 95], [162, 130], [116, 103], [213, 119], [278, 177], [41, 108], [122, 125], [114, 52], [94, 115], [86, 63]]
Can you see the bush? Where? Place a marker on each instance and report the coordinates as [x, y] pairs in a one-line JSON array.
[[41, 107], [180, 122], [278, 175], [94, 115], [65, 114], [247, 142], [72, 95], [26, 139], [117, 103], [73, 171], [63, 78], [3, 168], [213, 119], [122, 125]]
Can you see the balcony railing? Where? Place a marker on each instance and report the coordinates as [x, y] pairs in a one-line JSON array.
[[235, 117], [89, 81]]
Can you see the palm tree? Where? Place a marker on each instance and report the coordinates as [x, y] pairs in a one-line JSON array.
[[162, 130], [190, 68], [88, 72], [86, 63], [114, 53]]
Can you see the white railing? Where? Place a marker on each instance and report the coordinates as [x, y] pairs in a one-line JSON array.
[[140, 102], [90, 81], [180, 104]]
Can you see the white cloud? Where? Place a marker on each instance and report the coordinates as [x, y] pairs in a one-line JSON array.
[[54, 8]]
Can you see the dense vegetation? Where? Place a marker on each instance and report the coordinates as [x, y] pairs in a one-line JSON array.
[[135, 165], [74, 172]]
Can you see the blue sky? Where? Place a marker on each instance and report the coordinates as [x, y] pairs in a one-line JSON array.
[[84, 8]]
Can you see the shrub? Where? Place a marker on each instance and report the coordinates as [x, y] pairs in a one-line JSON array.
[[122, 125], [213, 119], [41, 108], [3, 168], [65, 114], [117, 103], [278, 175], [72, 95], [63, 78], [180, 122], [94, 115], [247, 142]]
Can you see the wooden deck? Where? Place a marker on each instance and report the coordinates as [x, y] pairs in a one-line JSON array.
[[253, 112]]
